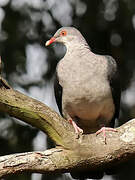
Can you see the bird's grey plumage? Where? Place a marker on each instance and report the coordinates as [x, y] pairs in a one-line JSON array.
[[87, 87], [90, 85]]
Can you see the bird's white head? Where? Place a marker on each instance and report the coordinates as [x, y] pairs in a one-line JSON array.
[[66, 35]]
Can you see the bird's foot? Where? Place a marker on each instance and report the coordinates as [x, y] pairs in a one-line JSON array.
[[103, 130], [78, 130]]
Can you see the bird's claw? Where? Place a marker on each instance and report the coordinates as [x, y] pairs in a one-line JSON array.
[[78, 132], [77, 129], [103, 130]]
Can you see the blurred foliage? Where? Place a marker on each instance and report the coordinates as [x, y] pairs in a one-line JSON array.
[[107, 25]]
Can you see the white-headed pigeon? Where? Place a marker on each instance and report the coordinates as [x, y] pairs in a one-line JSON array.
[[87, 87]]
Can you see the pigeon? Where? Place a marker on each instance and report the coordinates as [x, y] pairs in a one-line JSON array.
[[87, 85]]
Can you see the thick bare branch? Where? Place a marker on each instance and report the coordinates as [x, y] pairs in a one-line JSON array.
[[30, 162], [91, 154], [35, 113]]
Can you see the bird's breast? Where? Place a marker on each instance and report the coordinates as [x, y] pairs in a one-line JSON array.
[[86, 92], [91, 103]]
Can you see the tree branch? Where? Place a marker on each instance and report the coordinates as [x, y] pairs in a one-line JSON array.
[[89, 152], [35, 113]]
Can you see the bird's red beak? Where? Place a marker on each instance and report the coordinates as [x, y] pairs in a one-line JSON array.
[[50, 41]]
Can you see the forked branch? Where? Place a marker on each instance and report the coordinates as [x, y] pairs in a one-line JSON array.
[[89, 152]]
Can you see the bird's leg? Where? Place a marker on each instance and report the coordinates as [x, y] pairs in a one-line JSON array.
[[76, 128], [103, 130]]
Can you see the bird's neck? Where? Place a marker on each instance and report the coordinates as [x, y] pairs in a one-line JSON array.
[[77, 48]]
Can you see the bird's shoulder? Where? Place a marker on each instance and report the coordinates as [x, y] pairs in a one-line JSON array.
[[112, 66]]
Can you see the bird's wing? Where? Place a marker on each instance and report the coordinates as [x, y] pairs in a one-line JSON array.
[[58, 93], [114, 79]]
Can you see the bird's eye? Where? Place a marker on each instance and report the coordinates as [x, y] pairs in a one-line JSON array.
[[63, 33]]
